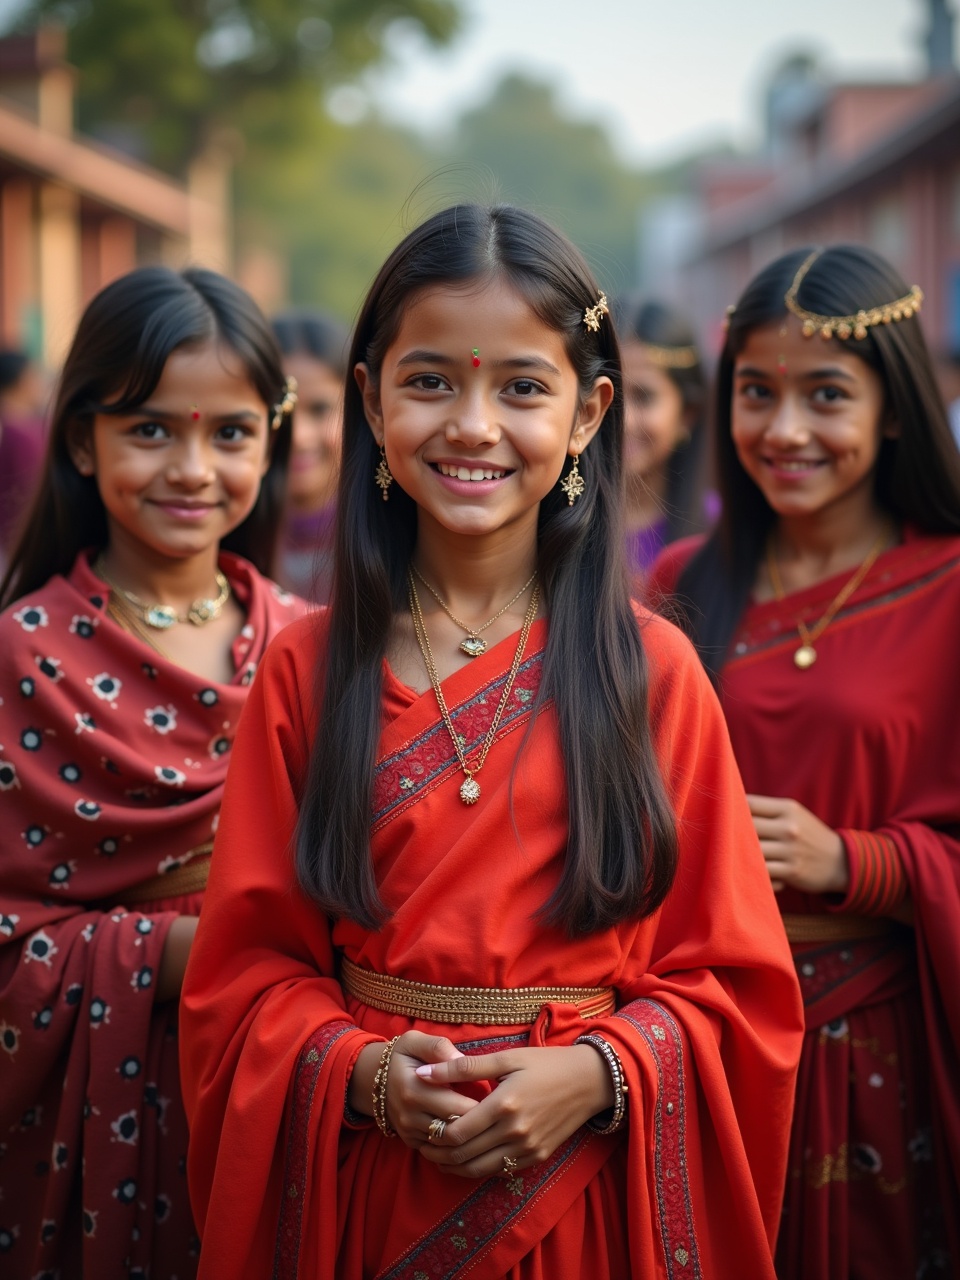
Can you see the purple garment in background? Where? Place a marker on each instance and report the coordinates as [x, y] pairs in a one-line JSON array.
[[304, 560], [22, 444]]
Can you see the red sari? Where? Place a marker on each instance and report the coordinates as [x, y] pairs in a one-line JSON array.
[[112, 762], [707, 1027], [868, 739]]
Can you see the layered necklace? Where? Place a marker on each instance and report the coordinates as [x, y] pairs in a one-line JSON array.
[[470, 788], [806, 655], [474, 644], [161, 617]]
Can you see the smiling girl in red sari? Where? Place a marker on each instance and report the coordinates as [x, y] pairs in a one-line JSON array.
[[127, 648], [490, 979], [827, 605]]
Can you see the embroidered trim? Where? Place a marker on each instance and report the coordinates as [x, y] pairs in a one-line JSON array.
[[822, 970], [455, 1243], [419, 765], [678, 1236], [286, 1263], [745, 646]]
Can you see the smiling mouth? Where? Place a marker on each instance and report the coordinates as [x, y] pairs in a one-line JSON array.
[[468, 473], [795, 464]]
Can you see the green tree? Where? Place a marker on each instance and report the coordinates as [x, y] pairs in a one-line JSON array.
[[160, 77]]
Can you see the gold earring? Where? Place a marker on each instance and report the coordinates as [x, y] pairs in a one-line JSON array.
[[573, 485], [383, 478]]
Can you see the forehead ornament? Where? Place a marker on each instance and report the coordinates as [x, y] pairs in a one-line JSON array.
[[593, 315], [476, 357], [852, 326], [671, 357], [194, 413], [286, 405]]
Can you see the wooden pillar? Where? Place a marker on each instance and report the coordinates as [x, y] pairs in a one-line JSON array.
[[17, 258], [59, 260]]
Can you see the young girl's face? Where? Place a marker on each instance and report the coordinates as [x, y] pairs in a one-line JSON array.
[[807, 420], [478, 447], [181, 471], [654, 417], [317, 432]]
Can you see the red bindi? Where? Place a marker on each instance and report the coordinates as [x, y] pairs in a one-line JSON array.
[[194, 413], [476, 357]]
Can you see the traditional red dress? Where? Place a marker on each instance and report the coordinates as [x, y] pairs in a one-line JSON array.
[[868, 739], [112, 762], [707, 1024]]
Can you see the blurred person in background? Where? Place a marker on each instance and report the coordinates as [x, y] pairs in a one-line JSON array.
[[314, 347], [128, 641], [826, 606], [23, 402], [665, 394]]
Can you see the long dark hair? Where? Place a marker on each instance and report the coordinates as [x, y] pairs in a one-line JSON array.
[[301, 331], [917, 475], [124, 339], [621, 850], [656, 324]]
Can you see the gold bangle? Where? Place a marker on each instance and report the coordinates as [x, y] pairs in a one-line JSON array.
[[620, 1090], [380, 1090]]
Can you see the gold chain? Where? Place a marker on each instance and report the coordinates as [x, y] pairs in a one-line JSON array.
[[806, 655], [473, 646], [469, 788]]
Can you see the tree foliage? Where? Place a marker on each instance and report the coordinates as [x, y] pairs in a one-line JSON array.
[[159, 77]]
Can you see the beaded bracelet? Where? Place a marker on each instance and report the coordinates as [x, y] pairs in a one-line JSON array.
[[620, 1088], [380, 1090]]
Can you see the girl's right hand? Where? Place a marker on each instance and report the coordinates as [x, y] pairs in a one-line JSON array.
[[411, 1102]]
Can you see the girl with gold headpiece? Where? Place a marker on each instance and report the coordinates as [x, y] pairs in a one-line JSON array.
[[826, 608], [490, 980], [664, 396]]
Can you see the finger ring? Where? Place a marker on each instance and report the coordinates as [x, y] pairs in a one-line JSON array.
[[509, 1165], [450, 1119], [436, 1128]]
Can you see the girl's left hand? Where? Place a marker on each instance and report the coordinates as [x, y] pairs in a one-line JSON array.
[[541, 1097], [799, 849]]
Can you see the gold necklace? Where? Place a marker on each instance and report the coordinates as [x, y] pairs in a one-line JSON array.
[[469, 788], [806, 655], [473, 645], [163, 616]]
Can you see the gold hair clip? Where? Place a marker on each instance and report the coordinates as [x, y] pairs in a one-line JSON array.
[[853, 326], [593, 315], [286, 405], [728, 316], [671, 357]]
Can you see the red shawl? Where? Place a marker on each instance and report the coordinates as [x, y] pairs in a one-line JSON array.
[[868, 739], [112, 764], [707, 1027]]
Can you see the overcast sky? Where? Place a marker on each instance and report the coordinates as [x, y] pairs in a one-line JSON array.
[[665, 75]]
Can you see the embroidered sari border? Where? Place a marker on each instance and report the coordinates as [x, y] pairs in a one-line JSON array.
[[662, 1036], [405, 774], [286, 1264], [850, 612], [454, 1244]]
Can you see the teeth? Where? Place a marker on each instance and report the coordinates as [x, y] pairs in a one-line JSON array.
[[468, 473], [787, 465]]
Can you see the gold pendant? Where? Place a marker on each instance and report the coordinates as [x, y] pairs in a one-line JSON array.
[[805, 656], [469, 791], [473, 646]]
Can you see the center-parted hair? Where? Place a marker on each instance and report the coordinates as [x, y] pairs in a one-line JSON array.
[[917, 475], [621, 852], [123, 341]]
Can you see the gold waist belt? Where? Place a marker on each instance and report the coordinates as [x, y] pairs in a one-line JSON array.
[[837, 928], [477, 1006], [191, 877]]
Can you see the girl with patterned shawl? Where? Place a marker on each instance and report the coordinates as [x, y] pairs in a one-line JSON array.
[[115, 735], [490, 979], [827, 607]]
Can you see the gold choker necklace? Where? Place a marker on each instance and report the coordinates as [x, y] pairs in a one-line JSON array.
[[163, 616], [473, 645], [469, 788], [806, 655]]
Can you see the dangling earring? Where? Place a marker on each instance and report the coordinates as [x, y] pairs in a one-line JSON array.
[[383, 478], [573, 485]]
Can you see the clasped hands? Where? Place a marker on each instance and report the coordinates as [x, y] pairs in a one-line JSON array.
[[540, 1096]]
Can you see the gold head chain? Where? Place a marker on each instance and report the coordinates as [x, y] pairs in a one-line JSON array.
[[853, 326]]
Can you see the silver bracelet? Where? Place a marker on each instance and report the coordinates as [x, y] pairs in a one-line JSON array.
[[620, 1088]]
